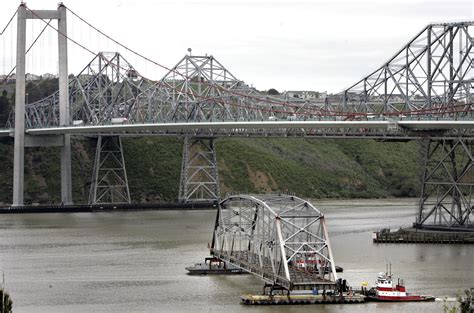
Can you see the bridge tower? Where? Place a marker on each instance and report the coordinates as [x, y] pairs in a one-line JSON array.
[[199, 175], [21, 140], [109, 180], [447, 184]]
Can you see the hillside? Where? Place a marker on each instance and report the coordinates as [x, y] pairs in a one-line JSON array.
[[313, 168]]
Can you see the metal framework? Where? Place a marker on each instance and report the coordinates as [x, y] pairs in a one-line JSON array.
[[199, 175], [109, 180], [431, 76], [281, 239], [448, 181]]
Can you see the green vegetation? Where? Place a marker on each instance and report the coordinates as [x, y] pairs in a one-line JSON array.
[[273, 92], [319, 168], [153, 166], [6, 303], [314, 168]]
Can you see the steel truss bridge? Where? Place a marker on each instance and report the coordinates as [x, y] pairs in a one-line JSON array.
[[424, 92], [281, 239]]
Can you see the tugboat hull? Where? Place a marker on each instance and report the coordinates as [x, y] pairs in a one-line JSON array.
[[400, 299]]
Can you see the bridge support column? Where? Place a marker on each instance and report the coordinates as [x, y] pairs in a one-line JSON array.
[[109, 178], [19, 145], [447, 184], [66, 181], [199, 175]]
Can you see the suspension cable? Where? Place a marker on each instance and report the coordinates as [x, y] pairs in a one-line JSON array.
[[28, 50], [9, 22]]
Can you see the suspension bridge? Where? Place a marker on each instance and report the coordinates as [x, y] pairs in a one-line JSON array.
[[423, 92]]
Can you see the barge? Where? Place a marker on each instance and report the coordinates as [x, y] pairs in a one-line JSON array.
[[214, 266]]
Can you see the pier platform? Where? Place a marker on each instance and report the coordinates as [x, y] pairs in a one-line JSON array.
[[107, 207], [301, 299], [417, 235]]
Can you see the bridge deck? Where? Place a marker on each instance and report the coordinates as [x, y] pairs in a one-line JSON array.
[[372, 128], [248, 261]]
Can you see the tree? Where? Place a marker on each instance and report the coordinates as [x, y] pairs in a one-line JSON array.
[[4, 107], [273, 91], [6, 304]]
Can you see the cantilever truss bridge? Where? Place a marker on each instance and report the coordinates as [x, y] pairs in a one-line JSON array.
[[424, 92], [281, 239]]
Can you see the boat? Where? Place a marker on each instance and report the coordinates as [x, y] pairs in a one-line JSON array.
[[214, 266], [385, 291]]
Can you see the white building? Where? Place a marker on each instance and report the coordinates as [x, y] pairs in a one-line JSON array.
[[48, 76], [302, 94], [32, 77]]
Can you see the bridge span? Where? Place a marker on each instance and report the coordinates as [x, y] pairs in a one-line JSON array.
[[281, 239]]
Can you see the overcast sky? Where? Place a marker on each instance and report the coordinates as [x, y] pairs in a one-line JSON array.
[[287, 45]]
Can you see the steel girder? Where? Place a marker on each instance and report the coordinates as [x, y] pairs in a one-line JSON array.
[[447, 185], [109, 178], [199, 174], [281, 239]]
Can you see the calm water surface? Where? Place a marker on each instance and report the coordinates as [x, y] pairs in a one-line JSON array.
[[134, 261]]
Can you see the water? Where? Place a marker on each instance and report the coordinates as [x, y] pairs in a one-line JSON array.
[[134, 262]]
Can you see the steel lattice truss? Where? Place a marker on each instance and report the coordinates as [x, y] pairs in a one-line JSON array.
[[109, 178], [108, 87], [446, 197], [431, 76], [196, 89], [199, 176], [282, 239]]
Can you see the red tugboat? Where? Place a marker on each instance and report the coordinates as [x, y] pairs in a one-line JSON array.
[[385, 291]]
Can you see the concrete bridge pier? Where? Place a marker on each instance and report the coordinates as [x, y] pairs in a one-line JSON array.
[[19, 144], [66, 181]]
